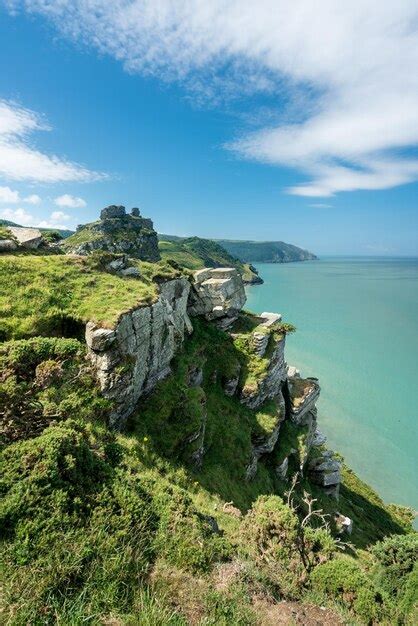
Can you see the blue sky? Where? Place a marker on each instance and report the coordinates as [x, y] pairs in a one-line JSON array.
[[264, 130]]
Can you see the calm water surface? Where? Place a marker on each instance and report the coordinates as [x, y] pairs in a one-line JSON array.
[[357, 331]]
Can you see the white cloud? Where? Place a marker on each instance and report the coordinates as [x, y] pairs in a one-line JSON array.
[[352, 65], [8, 196], [59, 215], [33, 199], [19, 215], [320, 205], [19, 160], [71, 202]]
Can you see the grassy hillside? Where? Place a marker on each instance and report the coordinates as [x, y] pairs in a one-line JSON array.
[[111, 528], [265, 251], [53, 294], [195, 253]]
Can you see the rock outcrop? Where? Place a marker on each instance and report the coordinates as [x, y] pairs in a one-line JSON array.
[[217, 294], [131, 358], [264, 443], [29, 238], [117, 232]]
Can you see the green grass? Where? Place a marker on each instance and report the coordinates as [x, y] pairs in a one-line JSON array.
[[44, 295]]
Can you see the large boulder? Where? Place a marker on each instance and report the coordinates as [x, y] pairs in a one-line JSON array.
[[30, 238], [217, 294]]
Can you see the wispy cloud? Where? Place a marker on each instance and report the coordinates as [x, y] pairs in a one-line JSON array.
[[320, 205], [70, 202], [19, 160], [354, 65]]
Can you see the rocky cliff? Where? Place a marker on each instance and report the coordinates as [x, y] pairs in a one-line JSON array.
[[116, 232], [131, 358]]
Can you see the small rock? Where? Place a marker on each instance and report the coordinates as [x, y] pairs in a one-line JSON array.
[[281, 470], [195, 376], [117, 264], [7, 245], [131, 271], [292, 372], [99, 339]]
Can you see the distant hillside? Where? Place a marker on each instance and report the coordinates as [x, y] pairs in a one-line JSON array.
[[265, 251], [63, 233], [195, 253]]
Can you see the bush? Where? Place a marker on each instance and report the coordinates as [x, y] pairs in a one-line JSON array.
[[52, 236], [396, 557], [396, 572], [286, 552], [79, 528], [343, 580]]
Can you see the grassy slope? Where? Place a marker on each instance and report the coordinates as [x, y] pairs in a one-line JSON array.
[[195, 253], [110, 528], [36, 292], [100, 526]]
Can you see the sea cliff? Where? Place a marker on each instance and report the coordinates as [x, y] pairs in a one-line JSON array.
[[160, 457]]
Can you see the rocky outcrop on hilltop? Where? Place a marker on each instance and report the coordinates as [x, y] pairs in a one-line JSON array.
[[116, 232]]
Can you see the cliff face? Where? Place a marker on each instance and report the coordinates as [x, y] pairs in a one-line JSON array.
[[130, 359]]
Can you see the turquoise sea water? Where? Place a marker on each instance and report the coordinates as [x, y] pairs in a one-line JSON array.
[[357, 331]]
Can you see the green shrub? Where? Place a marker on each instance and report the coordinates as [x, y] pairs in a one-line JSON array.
[[273, 536], [52, 236], [79, 529], [185, 538], [343, 580], [396, 570], [396, 557]]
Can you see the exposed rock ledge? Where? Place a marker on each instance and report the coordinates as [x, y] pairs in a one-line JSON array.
[[131, 358]]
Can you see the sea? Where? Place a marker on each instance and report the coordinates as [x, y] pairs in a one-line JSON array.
[[357, 331]]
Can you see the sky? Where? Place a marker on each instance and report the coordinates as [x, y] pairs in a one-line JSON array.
[[267, 120]]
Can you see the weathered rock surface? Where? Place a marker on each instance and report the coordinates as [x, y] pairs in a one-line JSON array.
[[325, 470], [117, 232], [217, 294], [30, 238], [269, 384], [282, 469], [303, 393], [131, 358], [264, 444], [7, 245]]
